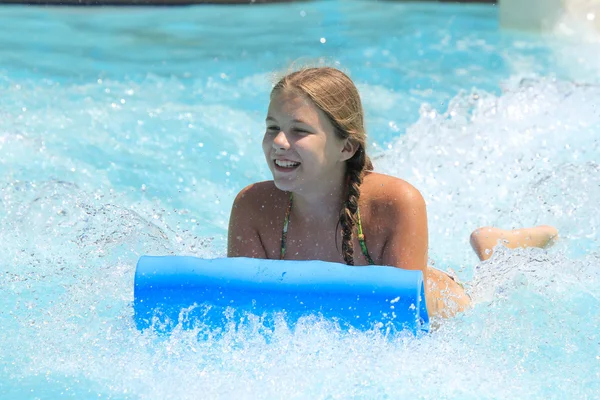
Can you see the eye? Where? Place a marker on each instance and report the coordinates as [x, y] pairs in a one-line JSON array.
[[301, 131], [273, 128]]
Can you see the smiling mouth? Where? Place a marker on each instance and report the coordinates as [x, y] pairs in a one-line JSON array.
[[282, 165]]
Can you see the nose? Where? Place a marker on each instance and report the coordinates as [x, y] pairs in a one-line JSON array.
[[280, 142]]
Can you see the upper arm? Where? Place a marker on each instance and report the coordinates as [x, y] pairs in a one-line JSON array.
[[407, 244], [243, 239]]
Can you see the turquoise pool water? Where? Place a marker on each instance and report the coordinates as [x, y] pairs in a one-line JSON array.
[[127, 131]]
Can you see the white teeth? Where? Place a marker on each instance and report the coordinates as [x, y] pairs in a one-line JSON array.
[[286, 164]]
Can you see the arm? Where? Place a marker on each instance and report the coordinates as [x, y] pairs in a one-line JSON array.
[[407, 245], [243, 239]]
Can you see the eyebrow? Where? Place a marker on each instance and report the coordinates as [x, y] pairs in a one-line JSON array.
[[269, 118]]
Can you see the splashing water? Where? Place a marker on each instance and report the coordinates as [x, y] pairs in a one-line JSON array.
[[102, 167]]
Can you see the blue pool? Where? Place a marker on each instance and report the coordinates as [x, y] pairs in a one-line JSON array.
[[128, 131]]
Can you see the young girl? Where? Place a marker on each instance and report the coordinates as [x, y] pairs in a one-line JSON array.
[[325, 203]]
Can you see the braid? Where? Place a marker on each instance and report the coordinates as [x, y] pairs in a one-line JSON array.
[[355, 170]]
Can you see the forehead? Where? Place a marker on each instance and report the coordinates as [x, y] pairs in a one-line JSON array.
[[289, 104]]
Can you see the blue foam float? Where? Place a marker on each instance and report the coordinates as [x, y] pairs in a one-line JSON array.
[[363, 298]]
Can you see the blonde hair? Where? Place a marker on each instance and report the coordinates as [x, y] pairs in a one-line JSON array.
[[335, 94]]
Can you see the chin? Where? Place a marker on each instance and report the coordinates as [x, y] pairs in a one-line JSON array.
[[284, 185]]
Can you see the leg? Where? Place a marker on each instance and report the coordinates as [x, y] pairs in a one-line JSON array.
[[483, 240]]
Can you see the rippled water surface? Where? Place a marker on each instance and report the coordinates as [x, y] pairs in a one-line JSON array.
[[128, 131]]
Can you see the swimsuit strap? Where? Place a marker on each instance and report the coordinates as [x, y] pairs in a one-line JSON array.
[[286, 223], [361, 239]]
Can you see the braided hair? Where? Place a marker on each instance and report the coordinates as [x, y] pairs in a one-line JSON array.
[[335, 94], [355, 171]]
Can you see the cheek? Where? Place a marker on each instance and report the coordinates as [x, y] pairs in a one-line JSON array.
[[334, 150], [266, 144], [316, 153], [307, 153]]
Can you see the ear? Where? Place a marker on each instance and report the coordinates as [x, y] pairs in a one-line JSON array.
[[349, 150]]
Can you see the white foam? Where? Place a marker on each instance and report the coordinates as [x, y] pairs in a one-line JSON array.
[[524, 158]]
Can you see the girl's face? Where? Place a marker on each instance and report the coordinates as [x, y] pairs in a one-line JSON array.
[[300, 145]]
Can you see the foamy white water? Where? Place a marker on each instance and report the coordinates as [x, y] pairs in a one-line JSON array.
[[96, 172]]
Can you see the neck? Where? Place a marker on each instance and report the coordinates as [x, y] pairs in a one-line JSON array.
[[323, 205]]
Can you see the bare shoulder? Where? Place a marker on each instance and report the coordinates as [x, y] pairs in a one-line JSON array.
[[254, 217], [390, 193], [257, 192], [258, 199], [395, 221], [398, 213]]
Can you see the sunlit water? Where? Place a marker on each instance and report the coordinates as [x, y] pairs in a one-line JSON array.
[[128, 131]]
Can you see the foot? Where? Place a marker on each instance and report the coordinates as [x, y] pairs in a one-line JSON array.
[[483, 240]]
